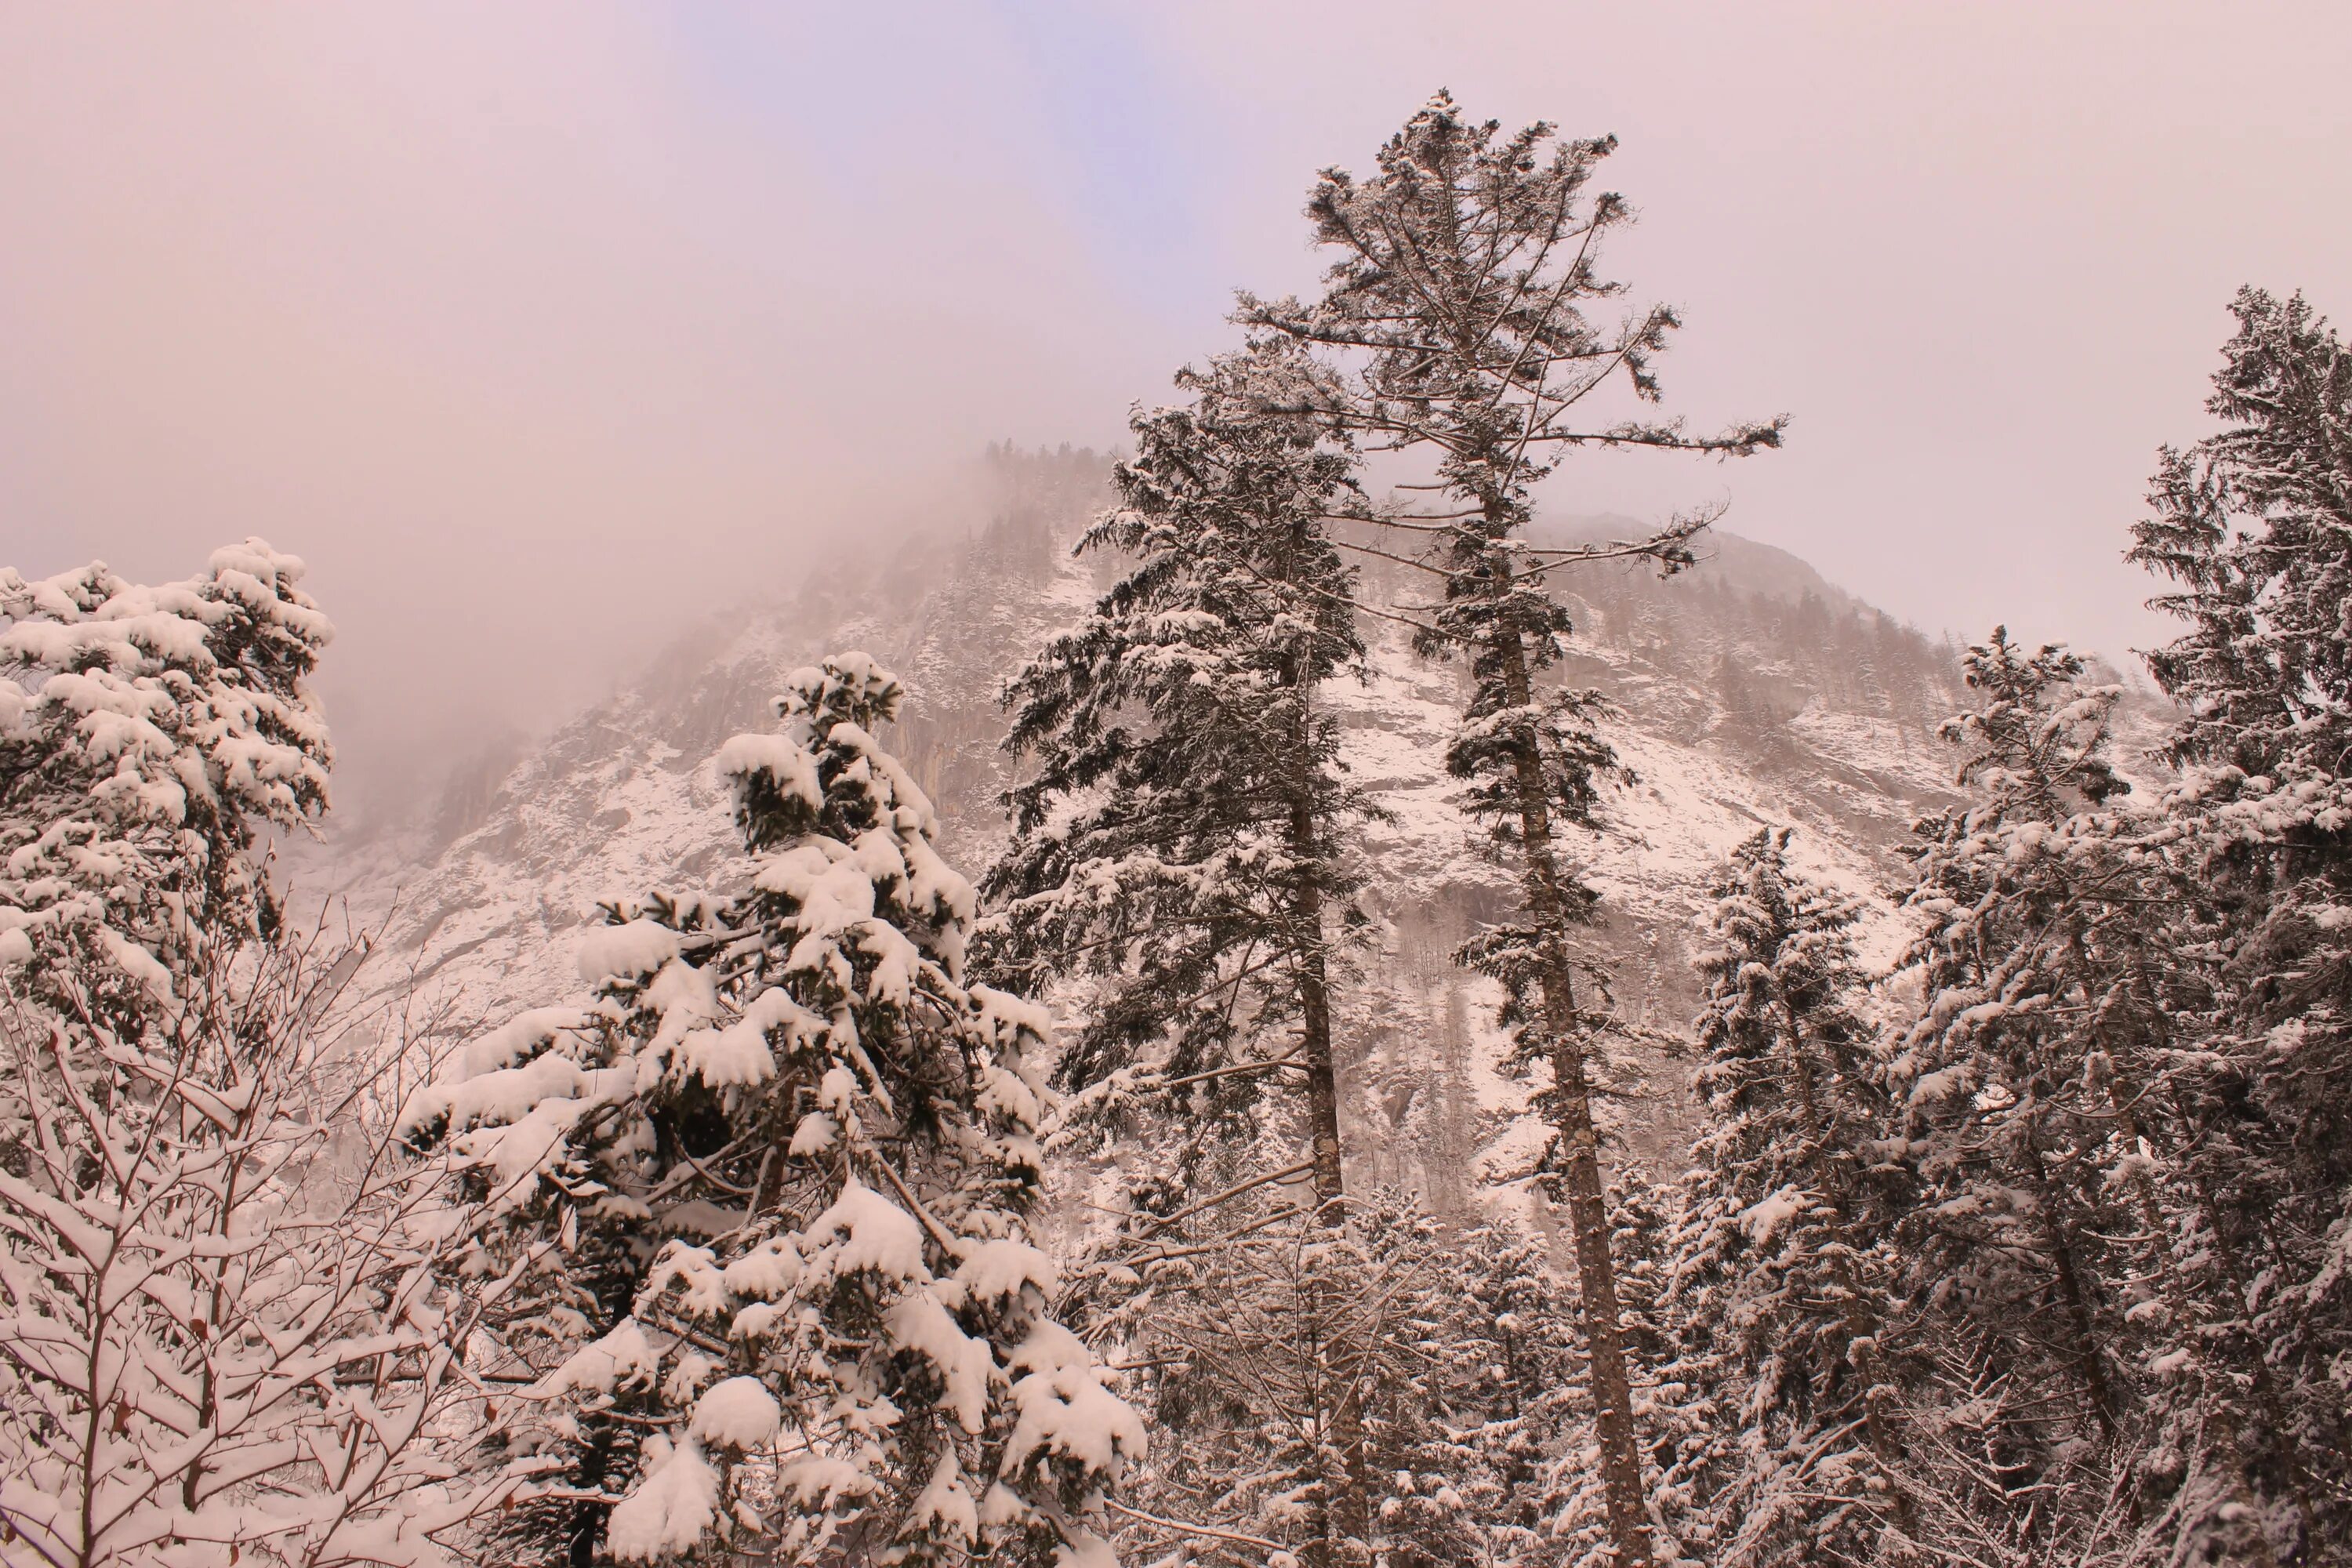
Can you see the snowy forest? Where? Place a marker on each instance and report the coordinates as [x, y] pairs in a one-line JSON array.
[[1276, 1006]]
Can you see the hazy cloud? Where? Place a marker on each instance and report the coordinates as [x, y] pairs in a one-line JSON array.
[[538, 328]]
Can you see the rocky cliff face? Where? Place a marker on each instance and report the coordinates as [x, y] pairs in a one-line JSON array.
[[1749, 693]]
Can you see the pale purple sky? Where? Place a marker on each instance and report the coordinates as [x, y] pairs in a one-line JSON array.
[[540, 328]]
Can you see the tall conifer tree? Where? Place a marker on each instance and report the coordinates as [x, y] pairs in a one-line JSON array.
[[1455, 321], [807, 1144], [1182, 845], [1181, 840], [2252, 527], [1782, 1248]]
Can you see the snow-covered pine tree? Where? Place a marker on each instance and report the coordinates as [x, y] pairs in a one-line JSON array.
[[220, 1335], [2251, 525], [1509, 1418], [147, 736], [2030, 908], [1182, 842], [2067, 1130], [1779, 1252], [2253, 528], [1457, 309], [1181, 848], [810, 1141], [1690, 1428]]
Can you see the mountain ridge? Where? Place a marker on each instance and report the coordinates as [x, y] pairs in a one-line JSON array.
[[1748, 691]]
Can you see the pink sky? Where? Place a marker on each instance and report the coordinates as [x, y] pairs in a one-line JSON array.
[[531, 325]]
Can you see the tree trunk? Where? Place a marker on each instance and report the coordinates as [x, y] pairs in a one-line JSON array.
[[1315, 1030], [2050, 1201], [1348, 1516], [1588, 1208]]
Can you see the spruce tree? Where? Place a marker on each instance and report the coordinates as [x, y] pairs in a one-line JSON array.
[[1455, 319], [2252, 526], [1691, 1422], [1180, 843], [2025, 905], [149, 738], [1181, 848], [2095, 1350], [1513, 1417], [808, 1141], [1781, 1247]]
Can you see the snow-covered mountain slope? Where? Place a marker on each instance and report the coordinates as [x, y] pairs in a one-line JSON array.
[[1749, 693], [484, 894]]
